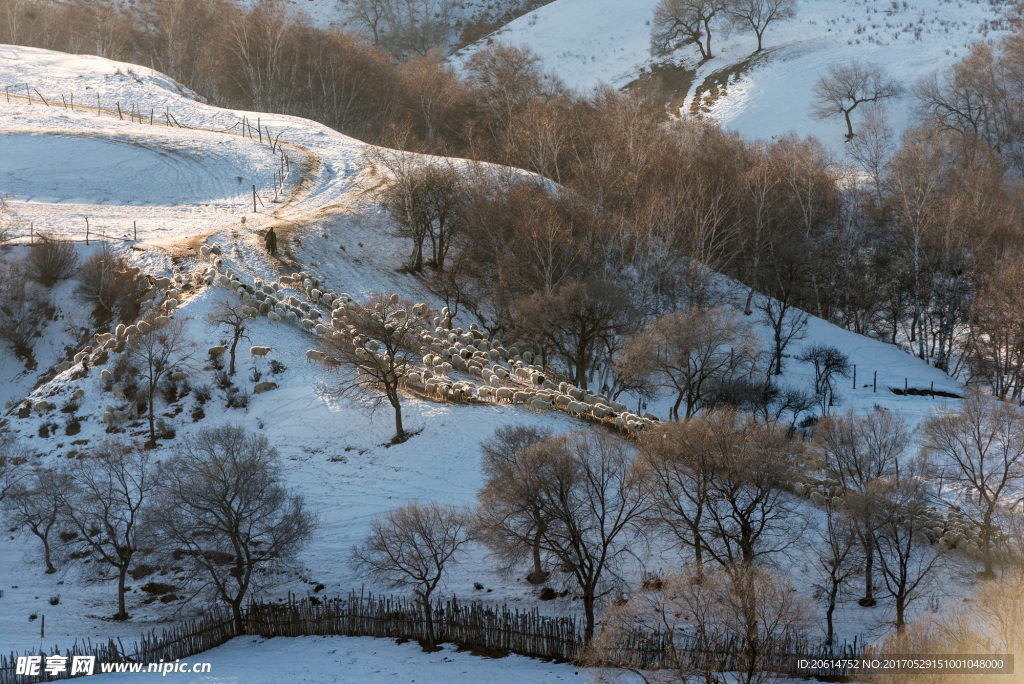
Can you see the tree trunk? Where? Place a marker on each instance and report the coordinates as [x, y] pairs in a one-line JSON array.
[[231, 368], [828, 613], [236, 611], [869, 563], [901, 607], [429, 621], [588, 612], [399, 431], [122, 614], [849, 124]]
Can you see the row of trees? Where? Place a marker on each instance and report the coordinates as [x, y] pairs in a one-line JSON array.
[[677, 23], [217, 509], [585, 507]]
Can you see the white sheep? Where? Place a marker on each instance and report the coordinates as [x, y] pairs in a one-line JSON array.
[[273, 317], [215, 352], [259, 352], [314, 356], [106, 375], [78, 395], [262, 387], [42, 406], [179, 376], [504, 393]]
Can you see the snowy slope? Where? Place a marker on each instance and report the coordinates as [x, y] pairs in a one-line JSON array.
[[334, 451], [590, 42]]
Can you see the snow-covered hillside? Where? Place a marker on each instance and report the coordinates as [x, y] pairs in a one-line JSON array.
[[179, 184], [590, 42]]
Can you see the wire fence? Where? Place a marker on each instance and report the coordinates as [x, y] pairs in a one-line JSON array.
[[134, 113]]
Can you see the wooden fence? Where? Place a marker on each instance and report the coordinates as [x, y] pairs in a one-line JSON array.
[[181, 641], [472, 624], [493, 629]]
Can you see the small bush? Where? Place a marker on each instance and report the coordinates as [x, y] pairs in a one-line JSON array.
[[50, 260], [55, 600], [111, 285], [198, 413], [237, 398], [44, 430], [202, 393], [169, 391], [142, 570], [158, 588], [73, 427], [223, 380], [255, 375], [276, 367]]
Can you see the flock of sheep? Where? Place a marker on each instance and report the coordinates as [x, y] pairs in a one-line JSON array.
[[954, 530], [508, 375]]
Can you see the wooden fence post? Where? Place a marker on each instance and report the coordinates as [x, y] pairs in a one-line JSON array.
[[29, 93], [86, 230], [854, 376], [905, 386], [259, 128], [254, 199], [874, 384], [119, 115], [135, 227]]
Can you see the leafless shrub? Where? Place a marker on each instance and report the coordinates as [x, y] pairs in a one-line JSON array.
[[111, 284], [50, 260]]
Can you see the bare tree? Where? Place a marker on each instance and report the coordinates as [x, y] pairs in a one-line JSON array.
[[222, 499], [679, 22], [984, 442], [416, 27], [234, 315], [829, 362], [575, 321], [863, 455], [676, 465], [905, 557], [704, 613], [767, 610], [510, 517], [758, 14], [837, 559], [412, 546], [997, 333], [104, 503], [155, 351], [690, 352], [848, 85], [12, 457], [380, 341], [509, 78], [375, 16], [591, 493], [35, 504]]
